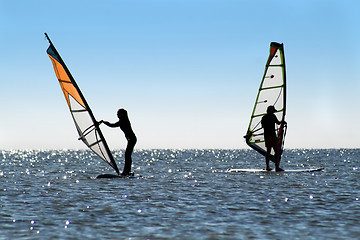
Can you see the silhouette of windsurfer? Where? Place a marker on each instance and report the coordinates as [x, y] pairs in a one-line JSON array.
[[125, 126], [268, 122]]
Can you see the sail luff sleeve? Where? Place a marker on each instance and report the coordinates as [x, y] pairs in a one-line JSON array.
[[80, 110], [284, 73], [283, 126]]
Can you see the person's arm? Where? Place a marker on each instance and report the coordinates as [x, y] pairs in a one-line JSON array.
[[117, 124], [276, 120], [280, 122]]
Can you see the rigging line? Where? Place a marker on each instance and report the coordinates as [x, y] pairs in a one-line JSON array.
[[256, 127], [260, 134], [97, 142], [97, 138], [277, 99], [283, 140], [87, 131]]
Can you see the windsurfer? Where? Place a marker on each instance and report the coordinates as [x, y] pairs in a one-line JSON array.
[[268, 123], [125, 126]]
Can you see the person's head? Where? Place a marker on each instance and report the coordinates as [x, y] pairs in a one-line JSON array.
[[271, 109], [121, 113]]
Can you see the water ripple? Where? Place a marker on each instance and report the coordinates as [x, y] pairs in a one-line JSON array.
[[182, 194]]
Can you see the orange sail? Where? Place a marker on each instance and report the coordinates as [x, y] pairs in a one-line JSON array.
[[85, 122]]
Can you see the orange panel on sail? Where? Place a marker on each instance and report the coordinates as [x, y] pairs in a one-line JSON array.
[[65, 82]]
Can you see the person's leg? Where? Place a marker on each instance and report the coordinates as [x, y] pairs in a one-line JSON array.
[[128, 160], [277, 159], [268, 151], [268, 145]]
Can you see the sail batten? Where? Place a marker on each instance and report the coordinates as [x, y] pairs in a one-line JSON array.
[[76, 111], [84, 120], [272, 92], [275, 65], [267, 88], [95, 143]]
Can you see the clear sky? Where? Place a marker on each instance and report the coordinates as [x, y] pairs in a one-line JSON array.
[[187, 71]]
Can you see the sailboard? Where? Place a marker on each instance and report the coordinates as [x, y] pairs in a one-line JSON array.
[[272, 92], [85, 122], [255, 170], [131, 176]]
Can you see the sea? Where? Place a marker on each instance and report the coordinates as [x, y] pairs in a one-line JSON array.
[[181, 194]]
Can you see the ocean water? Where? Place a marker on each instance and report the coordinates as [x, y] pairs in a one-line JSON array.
[[182, 194]]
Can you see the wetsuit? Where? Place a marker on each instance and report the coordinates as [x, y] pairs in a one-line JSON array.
[[268, 122], [125, 126]]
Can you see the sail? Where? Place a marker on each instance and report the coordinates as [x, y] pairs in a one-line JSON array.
[[86, 125], [272, 91]]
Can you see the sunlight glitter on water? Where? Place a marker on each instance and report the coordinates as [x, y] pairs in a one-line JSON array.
[[61, 188]]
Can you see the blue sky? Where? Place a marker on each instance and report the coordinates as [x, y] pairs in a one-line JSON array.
[[187, 71]]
